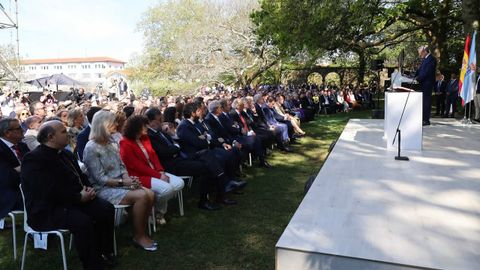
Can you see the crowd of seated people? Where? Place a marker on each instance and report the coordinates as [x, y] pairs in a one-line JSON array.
[[132, 152]]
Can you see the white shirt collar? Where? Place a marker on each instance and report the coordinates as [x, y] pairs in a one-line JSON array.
[[150, 128], [9, 144], [191, 121]]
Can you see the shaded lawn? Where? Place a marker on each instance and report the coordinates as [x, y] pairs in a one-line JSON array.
[[236, 237]]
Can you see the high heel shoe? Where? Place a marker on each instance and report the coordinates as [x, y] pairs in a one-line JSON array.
[[151, 248]]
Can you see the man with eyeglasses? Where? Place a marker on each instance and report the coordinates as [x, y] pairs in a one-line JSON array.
[[12, 151]]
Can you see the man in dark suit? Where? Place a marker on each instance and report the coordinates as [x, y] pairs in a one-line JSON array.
[[238, 115], [59, 196], [204, 170], [426, 77], [12, 151], [281, 134], [452, 95], [194, 142], [440, 94], [82, 138]]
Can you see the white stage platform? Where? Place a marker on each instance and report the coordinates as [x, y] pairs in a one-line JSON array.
[[367, 211]]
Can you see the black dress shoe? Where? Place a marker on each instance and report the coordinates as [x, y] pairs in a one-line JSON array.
[[265, 164], [209, 206], [234, 185], [426, 123], [286, 149], [294, 141], [227, 201]]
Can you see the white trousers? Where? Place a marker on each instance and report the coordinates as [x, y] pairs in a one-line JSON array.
[[165, 191]]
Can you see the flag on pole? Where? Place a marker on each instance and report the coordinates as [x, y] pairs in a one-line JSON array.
[[464, 65], [468, 87]]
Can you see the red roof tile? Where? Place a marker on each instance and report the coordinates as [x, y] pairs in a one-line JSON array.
[[70, 60]]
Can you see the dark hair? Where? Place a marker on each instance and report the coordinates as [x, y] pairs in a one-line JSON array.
[[44, 132], [270, 99], [189, 109], [169, 114], [91, 112], [129, 110], [5, 125], [198, 100], [152, 113], [53, 118], [133, 126]]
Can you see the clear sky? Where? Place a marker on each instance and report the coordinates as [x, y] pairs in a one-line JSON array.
[[76, 28]]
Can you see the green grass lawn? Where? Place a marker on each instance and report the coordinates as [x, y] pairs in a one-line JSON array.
[[236, 237]]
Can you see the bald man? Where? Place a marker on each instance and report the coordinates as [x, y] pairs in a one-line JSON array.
[[59, 196]]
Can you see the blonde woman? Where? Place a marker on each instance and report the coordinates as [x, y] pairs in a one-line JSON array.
[[293, 119], [110, 179], [75, 119]]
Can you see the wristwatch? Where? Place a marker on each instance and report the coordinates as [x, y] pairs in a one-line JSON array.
[[120, 183]]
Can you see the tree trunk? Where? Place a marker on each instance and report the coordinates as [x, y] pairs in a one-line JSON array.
[[361, 65]]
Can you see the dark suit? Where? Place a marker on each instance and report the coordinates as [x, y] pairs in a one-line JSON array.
[[228, 159], [426, 77], [10, 197], [189, 134], [176, 163], [281, 127], [250, 144], [452, 96], [82, 140], [218, 130], [440, 93], [266, 135], [52, 182]]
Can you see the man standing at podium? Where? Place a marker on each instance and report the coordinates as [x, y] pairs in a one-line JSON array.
[[426, 77]]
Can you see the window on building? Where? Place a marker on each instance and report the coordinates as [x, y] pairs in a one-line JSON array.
[[99, 75]]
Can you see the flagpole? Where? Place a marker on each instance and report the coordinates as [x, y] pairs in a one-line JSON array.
[[464, 120], [469, 122]]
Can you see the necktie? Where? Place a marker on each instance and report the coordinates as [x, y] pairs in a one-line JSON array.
[[17, 151], [243, 122]]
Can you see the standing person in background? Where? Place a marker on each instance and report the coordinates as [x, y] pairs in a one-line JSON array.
[[452, 95], [426, 77], [440, 94], [122, 87], [112, 89], [476, 99]]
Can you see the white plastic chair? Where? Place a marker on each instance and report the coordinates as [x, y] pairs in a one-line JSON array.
[[118, 212], [14, 231], [30, 231], [188, 179]]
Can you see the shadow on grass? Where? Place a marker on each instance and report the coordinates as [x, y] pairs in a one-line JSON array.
[[236, 237]]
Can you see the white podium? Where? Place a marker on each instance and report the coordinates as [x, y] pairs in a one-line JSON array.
[[411, 125]]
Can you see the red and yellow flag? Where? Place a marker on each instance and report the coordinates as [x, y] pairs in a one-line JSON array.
[[466, 54]]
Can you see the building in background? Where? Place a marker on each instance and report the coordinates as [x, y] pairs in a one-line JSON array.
[[90, 70]]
